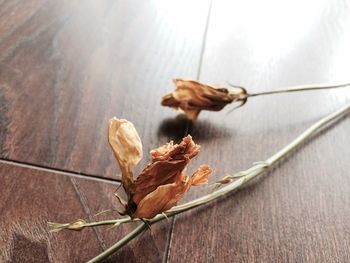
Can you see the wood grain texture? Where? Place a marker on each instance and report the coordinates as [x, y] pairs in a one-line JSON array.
[[298, 212], [30, 198], [67, 67]]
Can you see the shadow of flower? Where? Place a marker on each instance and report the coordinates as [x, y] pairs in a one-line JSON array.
[[201, 131]]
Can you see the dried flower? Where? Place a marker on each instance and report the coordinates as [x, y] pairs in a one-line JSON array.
[[192, 97], [163, 182]]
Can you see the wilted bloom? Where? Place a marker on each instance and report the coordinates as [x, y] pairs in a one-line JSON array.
[[192, 97], [163, 182]]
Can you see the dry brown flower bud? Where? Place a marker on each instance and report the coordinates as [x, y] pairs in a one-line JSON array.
[[127, 147], [77, 225], [162, 183], [192, 97]]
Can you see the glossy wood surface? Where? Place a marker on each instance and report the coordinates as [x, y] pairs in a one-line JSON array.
[[66, 67], [31, 198]]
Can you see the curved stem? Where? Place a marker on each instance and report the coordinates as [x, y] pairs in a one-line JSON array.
[[306, 134], [109, 251], [299, 88], [241, 179], [260, 167]]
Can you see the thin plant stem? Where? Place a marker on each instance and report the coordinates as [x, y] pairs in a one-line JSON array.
[[115, 222], [238, 180], [111, 222], [299, 88], [80, 224], [109, 251]]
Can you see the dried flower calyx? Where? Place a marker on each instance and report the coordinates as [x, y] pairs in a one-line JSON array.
[[192, 97], [77, 225], [162, 183]]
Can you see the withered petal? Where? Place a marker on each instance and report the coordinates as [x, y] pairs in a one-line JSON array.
[[159, 173], [160, 200], [200, 176], [170, 101], [127, 147], [165, 168], [166, 196], [162, 152]]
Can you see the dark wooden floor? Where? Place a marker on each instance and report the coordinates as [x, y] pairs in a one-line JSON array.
[[67, 66]]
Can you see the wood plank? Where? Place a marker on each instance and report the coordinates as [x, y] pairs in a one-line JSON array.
[[31, 198], [67, 67], [299, 212]]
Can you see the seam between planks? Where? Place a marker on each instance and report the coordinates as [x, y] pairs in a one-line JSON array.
[[86, 208], [200, 62], [168, 244], [205, 34], [63, 172]]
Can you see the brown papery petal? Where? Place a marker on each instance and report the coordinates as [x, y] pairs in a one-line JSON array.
[[200, 176], [127, 147], [166, 167], [160, 200], [167, 196]]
